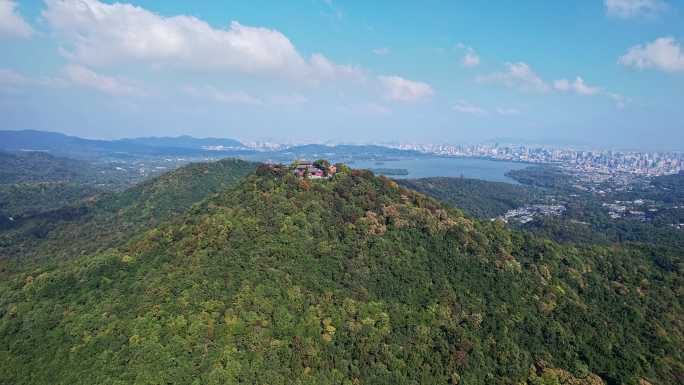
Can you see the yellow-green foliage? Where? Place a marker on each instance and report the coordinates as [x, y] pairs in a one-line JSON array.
[[351, 281]]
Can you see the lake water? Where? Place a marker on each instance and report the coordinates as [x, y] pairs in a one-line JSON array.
[[484, 169]]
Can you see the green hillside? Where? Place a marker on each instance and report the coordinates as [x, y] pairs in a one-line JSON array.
[[42, 167], [29, 199], [477, 198], [34, 182], [111, 218], [352, 280]]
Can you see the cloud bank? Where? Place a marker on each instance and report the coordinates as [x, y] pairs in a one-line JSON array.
[[11, 22], [627, 9], [403, 90], [664, 54], [99, 34], [517, 75], [578, 86], [81, 76]]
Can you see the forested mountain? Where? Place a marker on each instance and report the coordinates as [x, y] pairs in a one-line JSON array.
[[673, 183], [477, 198], [30, 199], [352, 280], [541, 176], [34, 167], [72, 146], [32, 182], [114, 217], [585, 220]]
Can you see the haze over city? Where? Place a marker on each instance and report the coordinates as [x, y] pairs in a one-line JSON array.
[[604, 73]]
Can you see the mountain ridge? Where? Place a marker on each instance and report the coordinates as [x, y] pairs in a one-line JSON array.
[[84, 225], [350, 280], [73, 146]]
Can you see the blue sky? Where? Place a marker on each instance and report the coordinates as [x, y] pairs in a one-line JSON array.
[[608, 73]]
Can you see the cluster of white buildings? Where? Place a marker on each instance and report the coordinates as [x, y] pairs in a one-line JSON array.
[[603, 161]]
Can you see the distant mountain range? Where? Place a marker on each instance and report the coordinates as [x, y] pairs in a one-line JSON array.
[[186, 141], [187, 146], [60, 144]]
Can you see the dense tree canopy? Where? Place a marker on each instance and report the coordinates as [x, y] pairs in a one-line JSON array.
[[352, 280], [477, 198], [109, 219]]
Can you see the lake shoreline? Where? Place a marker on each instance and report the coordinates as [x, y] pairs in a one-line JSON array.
[[450, 166]]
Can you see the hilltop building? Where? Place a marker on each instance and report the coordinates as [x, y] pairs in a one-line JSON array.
[[313, 170]]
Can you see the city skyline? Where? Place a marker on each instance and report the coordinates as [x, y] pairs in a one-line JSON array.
[[606, 73], [590, 161]]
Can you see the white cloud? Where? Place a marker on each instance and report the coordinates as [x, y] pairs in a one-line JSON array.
[[627, 9], [11, 22], [507, 111], [663, 54], [13, 81], [581, 88], [467, 108], [620, 101], [562, 85], [225, 97], [71, 76], [382, 51], [470, 60], [84, 77], [404, 90], [517, 75], [98, 34], [578, 86], [326, 69], [521, 76]]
